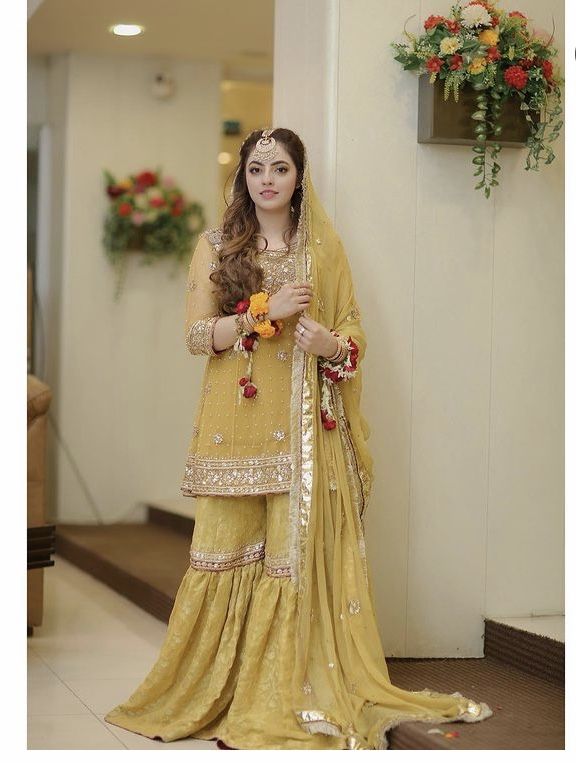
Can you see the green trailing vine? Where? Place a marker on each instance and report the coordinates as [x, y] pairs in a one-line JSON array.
[[501, 57]]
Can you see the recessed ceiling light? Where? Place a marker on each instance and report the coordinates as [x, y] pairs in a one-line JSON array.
[[126, 30]]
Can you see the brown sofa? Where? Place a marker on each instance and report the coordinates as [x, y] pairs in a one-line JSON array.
[[39, 398]]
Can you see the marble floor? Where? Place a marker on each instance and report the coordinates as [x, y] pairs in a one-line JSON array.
[[92, 650]]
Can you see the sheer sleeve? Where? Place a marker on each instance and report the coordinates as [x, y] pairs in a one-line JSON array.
[[347, 322], [201, 307]]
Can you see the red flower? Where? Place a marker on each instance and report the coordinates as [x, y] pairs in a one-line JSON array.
[[125, 209], [517, 14], [494, 21], [277, 327], [516, 77], [248, 341], [330, 374], [527, 63], [547, 69], [114, 191], [455, 62], [157, 201], [244, 380], [146, 179], [242, 306], [493, 54], [250, 390], [434, 64], [327, 421], [176, 210], [453, 26], [433, 21]]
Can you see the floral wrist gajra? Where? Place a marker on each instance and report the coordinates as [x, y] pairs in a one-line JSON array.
[[340, 366], [251, 324]]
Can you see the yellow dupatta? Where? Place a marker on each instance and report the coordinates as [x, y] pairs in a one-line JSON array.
[[341, 684]]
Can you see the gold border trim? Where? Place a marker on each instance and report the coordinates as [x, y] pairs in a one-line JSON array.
[[237, 476], [214, 561]]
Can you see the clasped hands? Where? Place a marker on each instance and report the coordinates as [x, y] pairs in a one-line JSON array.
[[309, 335]]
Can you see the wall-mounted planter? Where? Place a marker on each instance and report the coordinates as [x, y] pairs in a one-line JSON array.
[[441, 121]]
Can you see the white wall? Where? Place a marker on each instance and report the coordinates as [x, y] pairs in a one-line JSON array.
[[124, 385], [37, 90], [462, 300]]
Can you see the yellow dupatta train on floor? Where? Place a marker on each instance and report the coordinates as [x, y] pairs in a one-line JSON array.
[[341, 684]]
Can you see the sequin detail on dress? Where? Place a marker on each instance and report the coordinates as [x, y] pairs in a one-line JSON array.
[[213, 476], [217, 562]]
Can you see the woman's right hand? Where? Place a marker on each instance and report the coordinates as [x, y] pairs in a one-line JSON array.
[[291, 298]]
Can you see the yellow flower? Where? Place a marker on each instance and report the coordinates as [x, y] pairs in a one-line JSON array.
[[259, 303], [477, 66], [488, 37], [126, 183], [265, 329], [449, 45]]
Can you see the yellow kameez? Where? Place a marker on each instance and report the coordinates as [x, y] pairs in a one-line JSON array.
[[239, 445], [273, 641]]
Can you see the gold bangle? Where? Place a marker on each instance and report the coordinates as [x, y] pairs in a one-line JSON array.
[[239, 320], [341, 352], [248, 324]]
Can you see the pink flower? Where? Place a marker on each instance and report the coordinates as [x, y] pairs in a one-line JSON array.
[[168, 182], [138, 218]]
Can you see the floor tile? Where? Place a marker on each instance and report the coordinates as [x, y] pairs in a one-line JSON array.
[[38, 671], [134, 741], [70, 732], [55, 697], [101, 695]]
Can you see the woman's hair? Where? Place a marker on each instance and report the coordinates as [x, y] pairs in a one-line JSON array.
[[238, 274]]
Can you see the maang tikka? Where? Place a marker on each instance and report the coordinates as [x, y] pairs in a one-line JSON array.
[[266, 148]]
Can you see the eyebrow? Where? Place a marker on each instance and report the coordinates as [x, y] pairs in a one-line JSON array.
[[281, 161]]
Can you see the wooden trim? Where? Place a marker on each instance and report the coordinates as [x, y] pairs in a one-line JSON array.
[[449, 122]]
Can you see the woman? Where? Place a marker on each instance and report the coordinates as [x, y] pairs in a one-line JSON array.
[[272, 642]]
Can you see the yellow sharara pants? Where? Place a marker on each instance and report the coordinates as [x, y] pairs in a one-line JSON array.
[[224, 669]]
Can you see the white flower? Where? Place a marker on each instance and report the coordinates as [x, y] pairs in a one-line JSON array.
[[449, 45], [151, 216], [475, 15], [141, 201], [154, 192]]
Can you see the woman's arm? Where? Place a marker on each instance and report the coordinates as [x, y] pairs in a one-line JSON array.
[[201, 307], [225, 333]]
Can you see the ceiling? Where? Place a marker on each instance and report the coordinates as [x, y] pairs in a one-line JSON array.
[[238, 35]]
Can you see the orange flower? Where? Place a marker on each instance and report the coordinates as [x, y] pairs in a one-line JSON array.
[[259, 303], [265, 329]]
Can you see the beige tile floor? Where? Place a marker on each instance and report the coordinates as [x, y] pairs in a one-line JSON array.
[[92, 650]]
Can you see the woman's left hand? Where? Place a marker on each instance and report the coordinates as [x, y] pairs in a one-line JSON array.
[[314, 338]]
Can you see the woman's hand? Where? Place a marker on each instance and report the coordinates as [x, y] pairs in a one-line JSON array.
[[314, 338], [289, 299]]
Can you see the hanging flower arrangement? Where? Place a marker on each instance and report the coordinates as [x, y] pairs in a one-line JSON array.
[[500, 56], [149, 214]]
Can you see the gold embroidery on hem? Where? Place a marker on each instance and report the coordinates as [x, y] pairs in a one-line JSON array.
[[213, 561], [316, 722], [469, 711], [216, 476], [277, 566]]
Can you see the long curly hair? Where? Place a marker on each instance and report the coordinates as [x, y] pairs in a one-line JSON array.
[[238, 274]]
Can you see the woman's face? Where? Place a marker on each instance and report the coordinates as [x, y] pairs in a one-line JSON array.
[[271, 183]]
